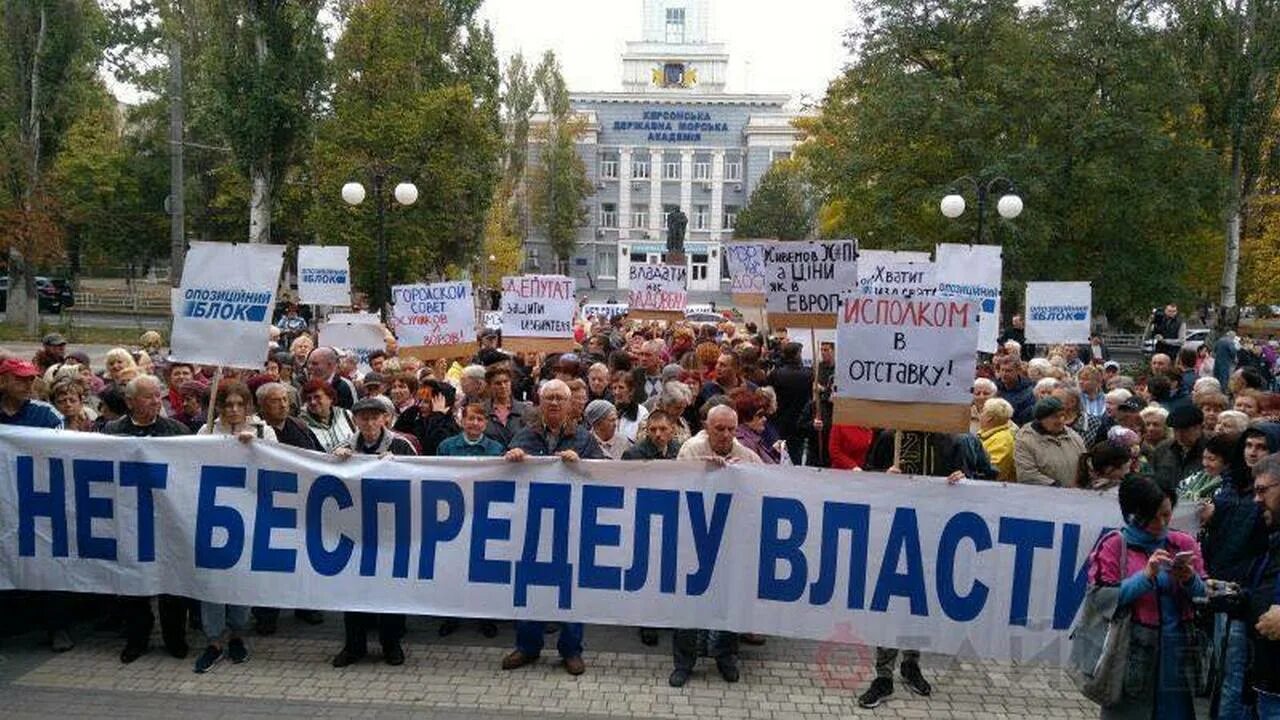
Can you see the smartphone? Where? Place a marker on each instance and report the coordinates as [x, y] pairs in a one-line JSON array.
[[1183, 559]]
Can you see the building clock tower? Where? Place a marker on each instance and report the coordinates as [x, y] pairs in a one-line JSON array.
[[675, 55]]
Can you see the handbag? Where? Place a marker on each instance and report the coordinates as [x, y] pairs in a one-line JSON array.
[[1100, 641]]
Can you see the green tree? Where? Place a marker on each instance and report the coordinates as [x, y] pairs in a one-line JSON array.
[[1083, 104], [416, 98], [558, 182], [48, 59], [781, 206]]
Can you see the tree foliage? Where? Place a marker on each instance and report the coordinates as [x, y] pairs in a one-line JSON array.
[[558, 186], [781, 206]]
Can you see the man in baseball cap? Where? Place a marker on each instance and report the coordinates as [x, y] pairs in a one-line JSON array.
[[16, 404], [53, 350]]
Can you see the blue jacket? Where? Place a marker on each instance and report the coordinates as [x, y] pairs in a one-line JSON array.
[[457, 446], [533, 440], [1021, 397], [34, 413]]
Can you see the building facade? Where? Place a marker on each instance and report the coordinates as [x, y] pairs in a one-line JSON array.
[[671, 138]]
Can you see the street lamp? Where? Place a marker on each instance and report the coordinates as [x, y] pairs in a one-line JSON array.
[[1008, 207], [406, 193]]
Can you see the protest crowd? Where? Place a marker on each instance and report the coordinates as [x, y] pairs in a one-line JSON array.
[[1194, 425]]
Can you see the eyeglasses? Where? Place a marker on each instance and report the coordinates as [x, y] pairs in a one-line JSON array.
[[555, 398], [1261, 490]]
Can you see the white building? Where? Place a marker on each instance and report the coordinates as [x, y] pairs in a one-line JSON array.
[[672, 137]]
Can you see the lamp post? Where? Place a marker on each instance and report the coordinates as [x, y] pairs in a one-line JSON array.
[[406, 193], [1009, 206]]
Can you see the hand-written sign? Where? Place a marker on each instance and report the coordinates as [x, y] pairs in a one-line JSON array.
[[659, 287], [905, 350], [905, 280], [538, 306], [807, 278], [430, 315], [746, 268]]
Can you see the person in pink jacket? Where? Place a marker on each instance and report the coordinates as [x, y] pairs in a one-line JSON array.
[[1157, 580]]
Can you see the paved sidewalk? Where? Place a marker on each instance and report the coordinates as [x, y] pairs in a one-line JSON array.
[[289, 676]]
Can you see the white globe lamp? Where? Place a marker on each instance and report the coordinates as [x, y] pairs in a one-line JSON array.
[[353, 193], [952, 206]]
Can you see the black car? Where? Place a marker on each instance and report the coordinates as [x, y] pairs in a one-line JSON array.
[[53, 294]]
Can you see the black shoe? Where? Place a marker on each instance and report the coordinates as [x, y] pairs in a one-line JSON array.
[[178, 649], [881, 689], [489, 628], [310, 617], [347, 657], [914, 680], [393, 654], [649, 636], [211, 656], [678, 678], [237, 651], [728, 670], [60, 641], [132, 652], [266, 627], [447, 627]]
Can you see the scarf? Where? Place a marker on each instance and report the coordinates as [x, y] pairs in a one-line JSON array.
[[1140, 538]]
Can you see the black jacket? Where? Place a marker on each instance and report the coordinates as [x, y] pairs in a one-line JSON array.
[[1171, 463], [162, 427], [295, 433], [430, 430], [1264, 671], [793, 384], [646, 450]]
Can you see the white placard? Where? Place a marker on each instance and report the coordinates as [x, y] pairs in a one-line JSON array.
[[806, 278], [541, 306], [659, 287], [973, 272], [492, 320], [870, 262], [906, 280], [435, 314], [324, 275], [746, 267], [901, 350], [222, 311], [362, 339], [354, 317], [603, 311], [1059, 312]]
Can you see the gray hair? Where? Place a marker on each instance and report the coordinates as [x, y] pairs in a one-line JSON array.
[[722, 410], [556, 385], [674, 392], [475, 372], [267, 388], [1206, 384], [985, 383], [1048, 383], [1118, 395], [135, 385], [1269, 465]]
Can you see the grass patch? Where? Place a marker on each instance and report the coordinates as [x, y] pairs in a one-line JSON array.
[[76, 334]]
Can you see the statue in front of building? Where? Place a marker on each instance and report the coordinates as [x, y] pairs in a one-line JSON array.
[[677, 221]]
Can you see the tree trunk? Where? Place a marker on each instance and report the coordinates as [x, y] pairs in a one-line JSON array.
[[260, 204], [21, 304], [1231, 264]]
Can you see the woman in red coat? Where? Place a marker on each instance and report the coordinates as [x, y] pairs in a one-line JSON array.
[[849, 445]]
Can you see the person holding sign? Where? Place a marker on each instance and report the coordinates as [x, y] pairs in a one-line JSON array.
[[552, 434]]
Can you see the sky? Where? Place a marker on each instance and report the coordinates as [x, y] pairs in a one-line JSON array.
[[791, 47]]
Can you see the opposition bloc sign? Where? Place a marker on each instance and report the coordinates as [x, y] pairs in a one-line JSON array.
[[1059, 312], [804, 280], [222, 311]]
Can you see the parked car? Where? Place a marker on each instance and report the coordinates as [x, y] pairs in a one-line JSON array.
[[1195, 338], [52, 294]]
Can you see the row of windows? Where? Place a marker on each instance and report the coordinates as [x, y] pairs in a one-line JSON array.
[[640, 169], [607, 262], [700, 220]]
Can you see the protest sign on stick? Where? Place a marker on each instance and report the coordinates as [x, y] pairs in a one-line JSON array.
[[905, 364], [973, 272], [537, 313], [324, 275], [222, 311], [746, 273], [1059, 312], [658, 292], [435, 320], [804, 280], [360, 338]]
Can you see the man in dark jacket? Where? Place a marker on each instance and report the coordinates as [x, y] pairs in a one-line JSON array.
[[431, 421], [1264, 592], [372, 438], [1017, 389], [658, 442], [793, 384], [143, 396], [553, 435], [506, 414], [1180, 455]]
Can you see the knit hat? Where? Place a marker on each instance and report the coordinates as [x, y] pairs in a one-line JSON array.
[[597, 410], [1047, 406]]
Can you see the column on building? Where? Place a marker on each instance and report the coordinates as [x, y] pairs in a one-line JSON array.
[[624, 216], [656, 163], [714, 247], [686, 182]]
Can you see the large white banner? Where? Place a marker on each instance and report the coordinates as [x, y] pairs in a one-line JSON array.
[[977, 569], [806, 278], [905, 350], [222, 311], [1059, 312], [324, 275], [973, 272], [746, 268], [434, 315], [541, 306]]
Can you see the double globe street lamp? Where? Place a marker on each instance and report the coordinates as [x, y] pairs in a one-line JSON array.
[[1009, 206], [406, 193]]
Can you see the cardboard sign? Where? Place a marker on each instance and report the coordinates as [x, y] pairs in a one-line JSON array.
[[360, 338], [538, 308], [658, 292], [222, 310], [1059, 312], [973, 272], [324, 275], [906, 364], [435, 320], [905, 280], [804, 281], [746, 273]]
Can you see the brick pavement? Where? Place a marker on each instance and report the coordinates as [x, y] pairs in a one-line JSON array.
[[289, 676]]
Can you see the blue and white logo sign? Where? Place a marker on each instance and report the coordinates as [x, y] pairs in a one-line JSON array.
[[222, 311], [324, 275], [1059, 312]]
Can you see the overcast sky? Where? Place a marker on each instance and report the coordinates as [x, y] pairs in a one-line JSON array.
[[792, 47]]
